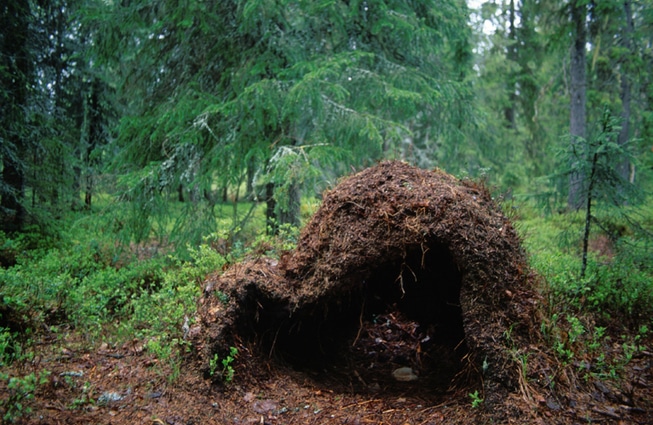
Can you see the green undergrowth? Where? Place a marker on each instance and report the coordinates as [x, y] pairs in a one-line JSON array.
[[594, 325], [85, 279], [619, 278]]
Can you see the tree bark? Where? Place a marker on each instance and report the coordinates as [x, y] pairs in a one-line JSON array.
[[588, 215], [271, 223], [290, 214], [95, 135], [578, 96], [12, 197], [624, 134], [16, 65], [509, 110]]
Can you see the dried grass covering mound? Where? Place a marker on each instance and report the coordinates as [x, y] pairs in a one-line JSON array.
[[419, 247]]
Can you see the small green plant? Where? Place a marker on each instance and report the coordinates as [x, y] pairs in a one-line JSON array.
[[227, 372], [80, 402], [564, 353], [213, 364], [167, 351], [20, 390], [597, 337], [6, 346], [277, 239], [223, 297], [476, 399], [630, 348]]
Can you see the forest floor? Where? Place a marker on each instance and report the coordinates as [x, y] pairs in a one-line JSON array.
[[128, 385], [351, 375]]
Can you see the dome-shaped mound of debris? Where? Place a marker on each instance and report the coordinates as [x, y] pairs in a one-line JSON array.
[[401, 270]]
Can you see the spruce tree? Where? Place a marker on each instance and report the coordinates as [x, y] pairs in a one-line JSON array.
[[279, 93]]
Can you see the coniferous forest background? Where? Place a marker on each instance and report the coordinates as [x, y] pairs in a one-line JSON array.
[[145, 144], [204, 102]]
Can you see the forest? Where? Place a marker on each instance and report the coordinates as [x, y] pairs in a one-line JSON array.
[[149, 147]]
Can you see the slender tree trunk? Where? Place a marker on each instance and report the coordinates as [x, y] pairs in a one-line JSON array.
[[95, 135], [578, 95], [180, 193], [528, 52], [249, 186], [588, 214], [88, 195], [624, 167], [270, 210], [58, 63], [509, 110], [290, 215], [12, 198], [77, 169]]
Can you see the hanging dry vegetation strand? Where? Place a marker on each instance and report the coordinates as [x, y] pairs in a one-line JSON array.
[[391, 241]]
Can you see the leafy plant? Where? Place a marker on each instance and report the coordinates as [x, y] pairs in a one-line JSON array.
[[7, 346], [20, 390], [223, 297], [167, 352], [476, 399], [227, 371], [84, 399], [213, 364]]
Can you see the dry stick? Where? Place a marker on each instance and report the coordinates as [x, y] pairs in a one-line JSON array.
[[459, 344], [424, 251], [360, 321], [360, 403], [274, 342], [437, 406], [400, 278], [358, 376]]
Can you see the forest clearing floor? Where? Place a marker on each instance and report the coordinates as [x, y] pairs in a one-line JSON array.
[[128, 385]]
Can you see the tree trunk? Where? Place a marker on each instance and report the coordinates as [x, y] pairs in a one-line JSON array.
[[88, 195], [95, 136], [249, 186], [58, 63], [290, 214], [578, 95], [180, 193], [624, 167], [14, 80], [12, 197], [588, 215], [271, 223], [509, 110]]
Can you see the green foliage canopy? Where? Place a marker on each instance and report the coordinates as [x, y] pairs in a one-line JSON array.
[[279, 92]]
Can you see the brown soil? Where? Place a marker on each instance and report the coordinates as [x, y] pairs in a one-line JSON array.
[[265, 391], [400, 268]]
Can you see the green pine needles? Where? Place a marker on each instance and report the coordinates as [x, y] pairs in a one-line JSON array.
[[295, 94]]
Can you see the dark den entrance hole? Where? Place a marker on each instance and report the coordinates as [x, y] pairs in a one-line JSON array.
[[399, 327]]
